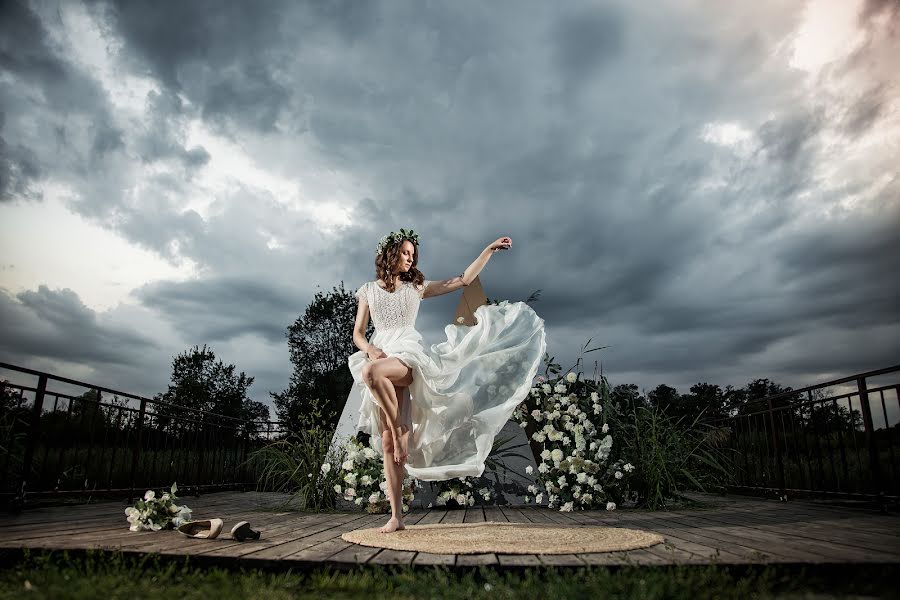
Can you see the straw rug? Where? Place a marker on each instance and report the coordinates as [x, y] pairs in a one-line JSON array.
[[505, 538]]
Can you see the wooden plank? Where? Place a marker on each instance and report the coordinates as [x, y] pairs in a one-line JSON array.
[[290, 542], [328, 543]]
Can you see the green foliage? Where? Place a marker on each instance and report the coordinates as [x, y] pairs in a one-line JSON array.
[[116, 575], [201, 382], [319, 343], [669, 455], [294, 464]]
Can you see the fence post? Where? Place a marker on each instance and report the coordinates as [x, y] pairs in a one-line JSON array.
[[33, 433], [138, 444], [781, 492], [874, 464]]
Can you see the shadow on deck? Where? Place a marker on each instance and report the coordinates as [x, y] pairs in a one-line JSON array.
[[734, 530]]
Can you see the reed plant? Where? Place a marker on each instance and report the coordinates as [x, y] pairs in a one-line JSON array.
[[670, 455], [300, 464]]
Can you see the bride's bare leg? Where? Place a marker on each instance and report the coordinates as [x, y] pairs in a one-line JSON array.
[[381, 376], [394, 475]]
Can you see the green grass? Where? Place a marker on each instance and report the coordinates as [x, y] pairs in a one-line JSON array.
[[113, 576]]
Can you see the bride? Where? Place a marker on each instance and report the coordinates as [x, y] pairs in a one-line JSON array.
[[435, 412]]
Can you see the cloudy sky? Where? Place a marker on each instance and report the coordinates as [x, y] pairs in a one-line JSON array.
[[709, 188]]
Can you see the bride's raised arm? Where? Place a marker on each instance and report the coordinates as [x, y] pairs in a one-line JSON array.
[[444, 286]]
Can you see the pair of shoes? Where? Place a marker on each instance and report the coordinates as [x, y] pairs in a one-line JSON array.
[[211, 528]]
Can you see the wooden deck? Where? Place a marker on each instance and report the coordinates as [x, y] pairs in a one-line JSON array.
[[736, 530]]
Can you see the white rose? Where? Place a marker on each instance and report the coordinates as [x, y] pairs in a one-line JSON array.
[[461, 499], [325, 468], [537, 415], [347, 465], [374, 497], [365, 480], [369, 453], [556, 455], [605, 428], [545, 454], [619, 475], [539, 498], [610, 506], [350, 492], [529, 470], [337, 488], [567, 507], [581, 477], [149, 495], [560, 388], [383, 485], [628, 467], [546, 387], [543, 468], [586, 498], [571, 377], [595, 397]]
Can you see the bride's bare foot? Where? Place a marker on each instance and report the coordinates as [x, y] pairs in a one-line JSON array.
[[393, 524], [401, 444]]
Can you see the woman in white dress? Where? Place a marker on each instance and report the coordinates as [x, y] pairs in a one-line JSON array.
[[435, 412]]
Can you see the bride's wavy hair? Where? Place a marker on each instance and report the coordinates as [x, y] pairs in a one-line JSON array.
[[387, 262]]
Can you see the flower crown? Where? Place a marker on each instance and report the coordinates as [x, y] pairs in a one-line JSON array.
[[396, 237]]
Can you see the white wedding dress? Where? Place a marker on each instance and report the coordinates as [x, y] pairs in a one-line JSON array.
[[464, 390]]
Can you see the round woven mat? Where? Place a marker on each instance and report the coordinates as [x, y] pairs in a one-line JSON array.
[[505, 538]]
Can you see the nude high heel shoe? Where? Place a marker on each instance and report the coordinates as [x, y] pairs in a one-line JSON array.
[[207, 529]]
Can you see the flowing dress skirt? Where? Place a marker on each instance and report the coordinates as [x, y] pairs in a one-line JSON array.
[[463, 392]]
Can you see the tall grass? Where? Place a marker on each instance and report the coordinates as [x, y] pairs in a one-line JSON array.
[[670, 456], [293, 465]]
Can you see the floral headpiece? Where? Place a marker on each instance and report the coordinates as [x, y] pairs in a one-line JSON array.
[[396, 237]]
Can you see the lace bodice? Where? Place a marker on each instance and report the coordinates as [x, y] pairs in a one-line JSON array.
[[392, 309]]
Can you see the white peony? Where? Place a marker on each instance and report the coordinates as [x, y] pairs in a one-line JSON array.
[[545, 454], [571, 377], [556, 455]]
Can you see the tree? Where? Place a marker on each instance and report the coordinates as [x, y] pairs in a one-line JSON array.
[[319, 343], [200, 382], [626, 397]]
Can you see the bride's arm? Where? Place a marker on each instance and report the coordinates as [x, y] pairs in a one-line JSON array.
[[437, 288]]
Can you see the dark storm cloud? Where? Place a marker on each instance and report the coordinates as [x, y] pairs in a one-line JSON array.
[[19, 169], [221, 309], [574, 128], [56, 324]]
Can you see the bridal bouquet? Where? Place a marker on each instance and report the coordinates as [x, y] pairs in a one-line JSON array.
[[153, 512], [363, 477], [565, 420]]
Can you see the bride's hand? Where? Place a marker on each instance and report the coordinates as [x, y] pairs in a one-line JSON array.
[[503, 243], [374, 352]]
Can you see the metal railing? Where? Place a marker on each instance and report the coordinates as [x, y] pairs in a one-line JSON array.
[[811, 442], [106, 442]]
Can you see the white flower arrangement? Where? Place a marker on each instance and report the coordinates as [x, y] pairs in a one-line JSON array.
[[363, 474], [460, 491], [575, 469], [153, 513]]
